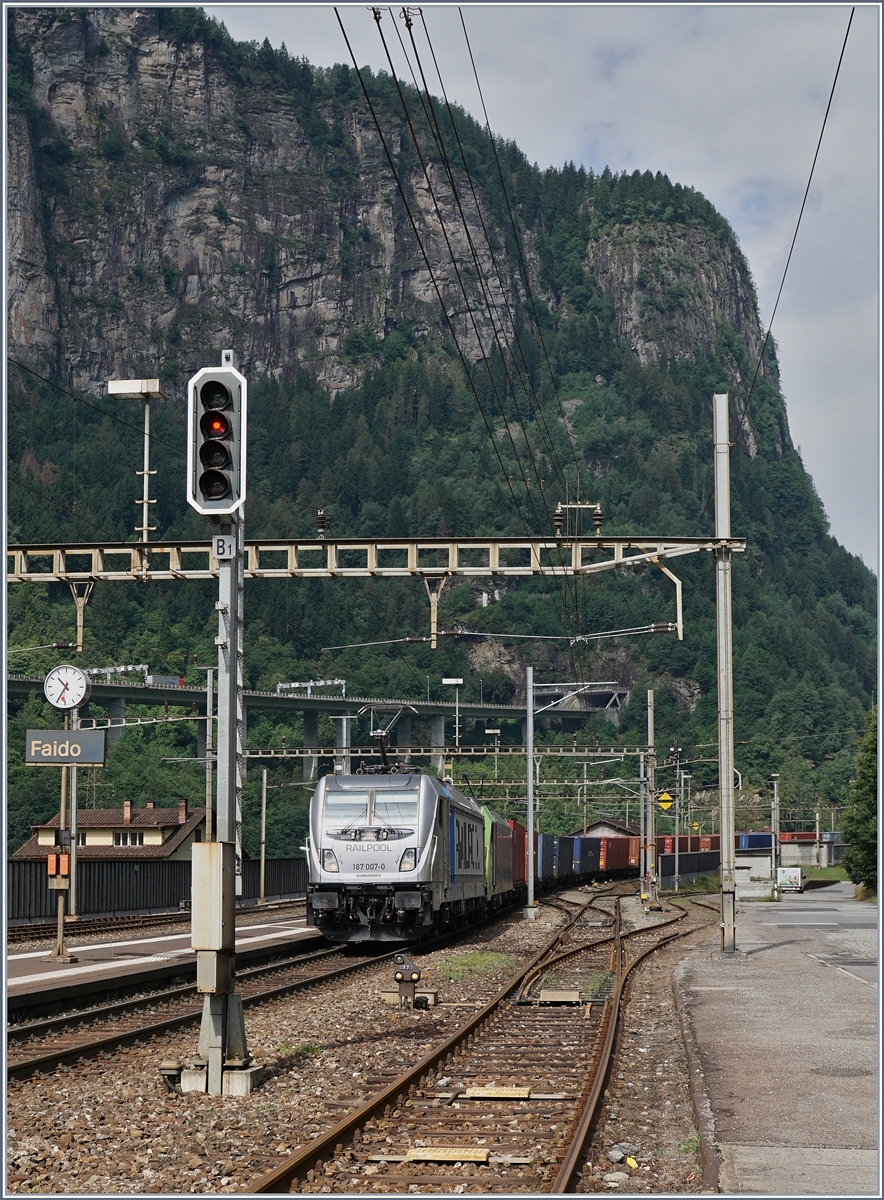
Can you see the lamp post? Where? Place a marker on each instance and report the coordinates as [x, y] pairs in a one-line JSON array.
[[676, 750], [261, 899], [531, 911], [146, 390]]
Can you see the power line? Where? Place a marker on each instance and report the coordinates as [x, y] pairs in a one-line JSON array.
[[501, 338], [70, 511], [440, 143], [434, 281], [377, 17], [80, 400], [798, 223]]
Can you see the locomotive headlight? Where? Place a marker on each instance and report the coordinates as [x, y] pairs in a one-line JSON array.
[[406, 863], [329, 862]]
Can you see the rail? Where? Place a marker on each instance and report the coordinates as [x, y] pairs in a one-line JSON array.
[[307, 1162]]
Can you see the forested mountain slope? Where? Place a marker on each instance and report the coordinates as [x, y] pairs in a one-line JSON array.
[[172, 192]]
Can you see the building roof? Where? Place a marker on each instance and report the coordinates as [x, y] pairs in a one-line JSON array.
[[112, 818], [115, 818], [593, 828]]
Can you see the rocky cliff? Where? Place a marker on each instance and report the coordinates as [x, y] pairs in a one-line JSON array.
[[168, 197]]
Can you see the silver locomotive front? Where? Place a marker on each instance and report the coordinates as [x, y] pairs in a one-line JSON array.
[[372, 856]]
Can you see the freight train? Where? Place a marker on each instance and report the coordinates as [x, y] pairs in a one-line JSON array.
[[392, 858]]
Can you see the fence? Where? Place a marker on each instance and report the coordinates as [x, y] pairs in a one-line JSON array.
[[117, 888], [690, 866]]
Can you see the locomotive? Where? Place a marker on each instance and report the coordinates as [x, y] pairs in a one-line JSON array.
[[394, 857]]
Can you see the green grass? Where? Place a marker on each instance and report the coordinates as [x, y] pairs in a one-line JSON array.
[[827, 873], [476, 963], [700, 886], [301, 1050]]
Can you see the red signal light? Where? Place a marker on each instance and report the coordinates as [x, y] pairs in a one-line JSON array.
[[215, 425]]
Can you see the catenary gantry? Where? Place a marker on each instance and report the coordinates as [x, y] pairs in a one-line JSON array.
[[352, 557]]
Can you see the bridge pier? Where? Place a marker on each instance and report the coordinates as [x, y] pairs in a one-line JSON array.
[[403, 734], [116, 711], [310, 739], [437, 742], [342, 744]]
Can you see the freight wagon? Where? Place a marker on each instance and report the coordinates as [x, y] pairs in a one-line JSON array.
[[393, 857]]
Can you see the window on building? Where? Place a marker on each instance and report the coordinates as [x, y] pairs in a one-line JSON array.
[[128, 837], [81, 837]]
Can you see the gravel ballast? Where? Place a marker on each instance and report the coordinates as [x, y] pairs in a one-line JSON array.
[[109, 1125]]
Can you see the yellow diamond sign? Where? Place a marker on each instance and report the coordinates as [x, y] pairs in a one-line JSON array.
[[665, 801]]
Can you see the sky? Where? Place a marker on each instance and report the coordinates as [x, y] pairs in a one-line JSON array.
[[728, 99]]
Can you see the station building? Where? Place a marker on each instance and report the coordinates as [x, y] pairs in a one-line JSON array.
[[126, 834]]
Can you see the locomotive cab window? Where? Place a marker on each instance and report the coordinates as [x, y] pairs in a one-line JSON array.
[[370, 807], [346, 806], [393, 807]]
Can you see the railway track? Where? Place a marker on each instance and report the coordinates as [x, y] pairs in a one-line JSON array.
[[41, 1045], [35, 1046], [506, 1103], [36, 931]]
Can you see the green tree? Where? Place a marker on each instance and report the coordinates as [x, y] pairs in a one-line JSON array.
[[860, 823]]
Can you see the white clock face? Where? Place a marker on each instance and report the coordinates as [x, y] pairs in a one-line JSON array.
[[66, 687]]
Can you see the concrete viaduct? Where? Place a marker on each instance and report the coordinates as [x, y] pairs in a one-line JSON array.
[[606, 698]]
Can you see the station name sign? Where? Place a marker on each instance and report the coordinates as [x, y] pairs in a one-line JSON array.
[[62, 747]]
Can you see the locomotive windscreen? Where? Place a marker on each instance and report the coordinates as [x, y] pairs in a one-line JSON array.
[[346, 806], [370, 806], [394, 806]]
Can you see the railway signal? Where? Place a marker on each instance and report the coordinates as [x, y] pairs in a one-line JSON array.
[[216, 439]]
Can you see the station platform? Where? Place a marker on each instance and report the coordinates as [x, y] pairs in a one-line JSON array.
[[784, 1037], [134, 959]]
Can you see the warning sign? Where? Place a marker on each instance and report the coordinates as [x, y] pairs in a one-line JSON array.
[[665, 801]]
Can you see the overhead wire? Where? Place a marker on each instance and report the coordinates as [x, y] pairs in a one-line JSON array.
[[152, 437], [760, 359], [69, 511], [380, 622], [763, 350], [797, 223], [525, 275], [564, 616], [433, 279], [457, 271], [501, 340], [527, 282], [538, 399], [530, 294], [761, 354], [525, 380]]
